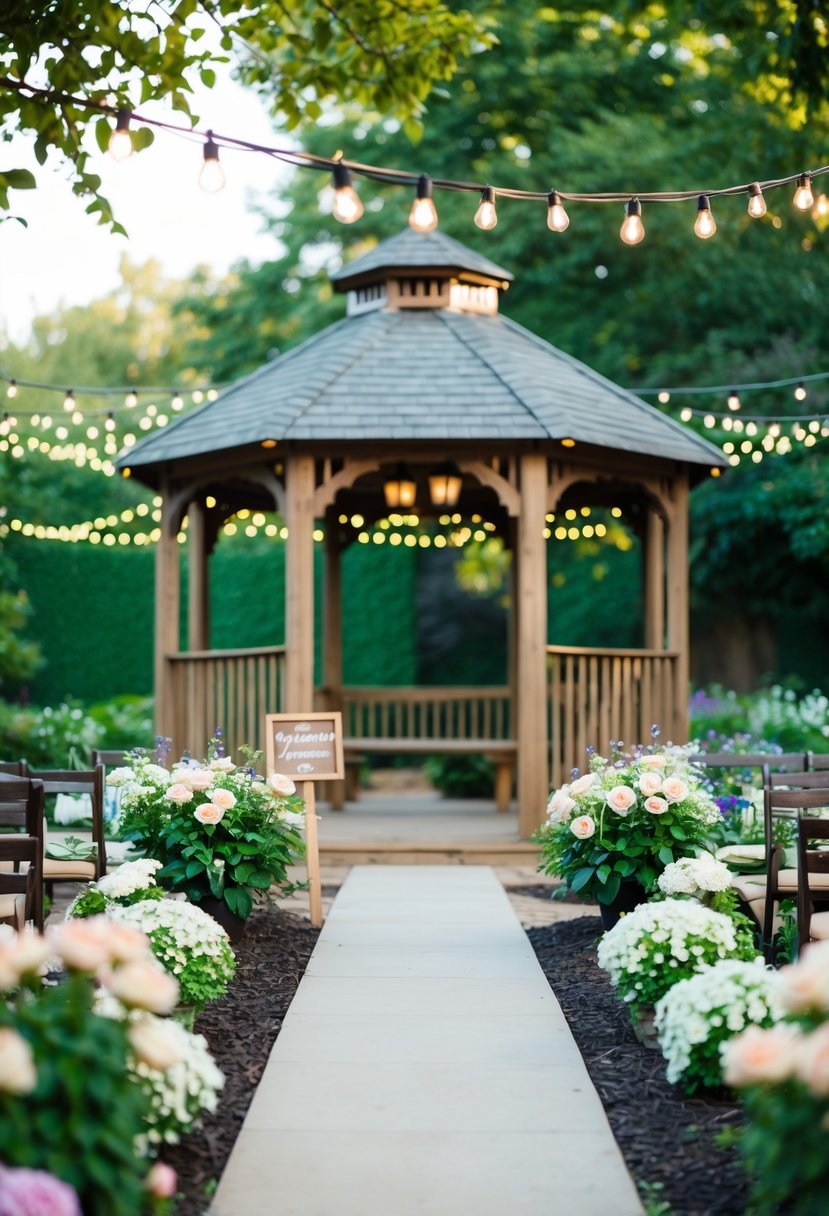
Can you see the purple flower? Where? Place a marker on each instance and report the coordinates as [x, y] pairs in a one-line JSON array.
[[36, 1193]]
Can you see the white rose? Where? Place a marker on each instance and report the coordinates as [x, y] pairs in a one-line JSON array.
[[17, 1065], [583, 827], [561, 806], [201, 779], [582, 785], [280, 784]]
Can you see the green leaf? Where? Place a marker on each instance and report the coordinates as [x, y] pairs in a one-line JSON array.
[[603, 872], [665, 855], [610, 890], [19, 179], [581, 878]]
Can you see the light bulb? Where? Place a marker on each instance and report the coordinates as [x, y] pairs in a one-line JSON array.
[[131, 399], [120, 141], [177, 402], [423, 216], [733, 400], [632, 230], [756, 202], [557, 218], [704, 225], [803, 197], [11, 391], [212, 176], [110, 422], [69, 400], [347, 206], [486, 216], [800, 392], [664, 397]]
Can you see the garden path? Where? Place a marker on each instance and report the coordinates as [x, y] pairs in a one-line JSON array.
[[425, 1069]]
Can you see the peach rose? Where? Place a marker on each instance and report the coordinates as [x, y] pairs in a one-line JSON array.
[[812, 1065], [655, 761], [84, 945], [126, 943], [583, 826], [209, 813], [223, 799], [582, 785], [280, 784], [805, 985], [561, 806], [759, 1055], [656, 806], [154, 1043], [17, 1064], [674, 789], [143, 984], [621, 798], [201, 779], [162, 1181], [179, 793], [21, 954], [650, 783]]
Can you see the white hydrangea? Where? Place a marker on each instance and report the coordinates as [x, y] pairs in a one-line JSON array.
[[712, 1006], [691, 875], [120, 776], [189, 943], [131, 876]]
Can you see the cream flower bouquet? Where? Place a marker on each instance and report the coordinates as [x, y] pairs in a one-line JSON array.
[[627, 818]]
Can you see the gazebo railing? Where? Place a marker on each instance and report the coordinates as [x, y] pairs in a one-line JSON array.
[[233, 689], [597, 695], [426, 713]]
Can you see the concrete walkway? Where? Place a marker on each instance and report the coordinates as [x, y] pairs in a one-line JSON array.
[[425, 1069]]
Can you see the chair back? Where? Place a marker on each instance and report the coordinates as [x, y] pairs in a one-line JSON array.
[[26, 882], [108, 757], [810, 861], [14, 768], [21, 808], [817, 760], [81, 781], [794, 761]]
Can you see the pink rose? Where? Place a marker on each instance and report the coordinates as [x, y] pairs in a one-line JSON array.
[[674, 789], [162, 1181], [759, 1055], [143, 984], [24, 1192], [583, 827], [561, 806], [656, 806], [223, 799], [17, 1063], [582, 785], [201, 779], [209, 813], [280, 784], [179, 793], [621, 798], [650, 783]]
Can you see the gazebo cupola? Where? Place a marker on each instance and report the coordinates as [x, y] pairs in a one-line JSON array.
[[423, 371]]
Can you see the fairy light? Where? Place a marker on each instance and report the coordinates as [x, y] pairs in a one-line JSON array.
[[486, 216], [69, 400], [704, 225], [347, 205], [800, 391], [557, 218], [212, 176], [756, 202], [120, 141], [423, 216], [733, 400], [803, 197], [11, 390], [632, 230]]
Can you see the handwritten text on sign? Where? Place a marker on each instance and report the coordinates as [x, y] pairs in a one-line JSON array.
[[309, 747]]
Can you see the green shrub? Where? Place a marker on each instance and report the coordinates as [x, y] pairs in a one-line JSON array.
[[59, 737], [461, 776]]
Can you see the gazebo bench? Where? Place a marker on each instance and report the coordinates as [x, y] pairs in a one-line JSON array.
[[502, 752]]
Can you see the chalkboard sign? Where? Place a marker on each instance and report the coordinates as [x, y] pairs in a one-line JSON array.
[[307, 747]]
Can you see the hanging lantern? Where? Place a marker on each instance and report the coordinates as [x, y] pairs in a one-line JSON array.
[[445, 485], [401, 489]]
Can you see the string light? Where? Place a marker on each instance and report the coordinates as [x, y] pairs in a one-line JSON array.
[[486, 216], [131, 399], [11, 391], [347, 205], [821, 209], [733, 400], [120, 141], [803, 197], [69, 400], [211, 177], [800, 391], [632, 230], [557, 218], [704, 225], [423, 216], [756, 202]]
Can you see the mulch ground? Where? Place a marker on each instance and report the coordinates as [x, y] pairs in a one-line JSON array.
[[669, 1140], [240, 1029]]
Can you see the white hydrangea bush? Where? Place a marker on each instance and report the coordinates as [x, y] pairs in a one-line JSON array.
[[665, 941], [132, 882], [188, 942], [698, 1016]]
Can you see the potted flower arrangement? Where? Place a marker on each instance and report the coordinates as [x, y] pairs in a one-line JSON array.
[[222, 833], [623, 822]]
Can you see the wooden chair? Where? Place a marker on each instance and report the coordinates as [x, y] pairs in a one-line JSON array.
[[78, 781], [817, 761], [18, 888], [762, 761], [813, 880], [21, 811], [107, 757]]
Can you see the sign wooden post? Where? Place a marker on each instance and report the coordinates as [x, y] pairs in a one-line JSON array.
[[309, 748]]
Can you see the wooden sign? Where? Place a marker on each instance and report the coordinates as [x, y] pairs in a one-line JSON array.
[[308, 747]]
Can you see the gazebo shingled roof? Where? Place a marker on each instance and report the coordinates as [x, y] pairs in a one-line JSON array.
[[423, 374]]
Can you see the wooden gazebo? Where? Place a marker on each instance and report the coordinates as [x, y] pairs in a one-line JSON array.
[[424, 370]]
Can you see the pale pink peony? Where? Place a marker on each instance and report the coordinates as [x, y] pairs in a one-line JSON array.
[[758, 1055], [805, 985], [143, 984], [655, 761], [561, 805], [656, 806], [155, 1043], [201, 779], [25, 1192], [674, 789], [650, 783], [223, 799], [85, 944], [280, 784], [17, 1065], [162, 1181], [209, 813], [583, 827], [179, 793], [621, 798], [582, 785]]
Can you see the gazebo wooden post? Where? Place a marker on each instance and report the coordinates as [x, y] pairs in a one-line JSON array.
[[653, 579], [332, 646], [167, 607], [533, 778], [678, 602], [299, 584], [198, 587]]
